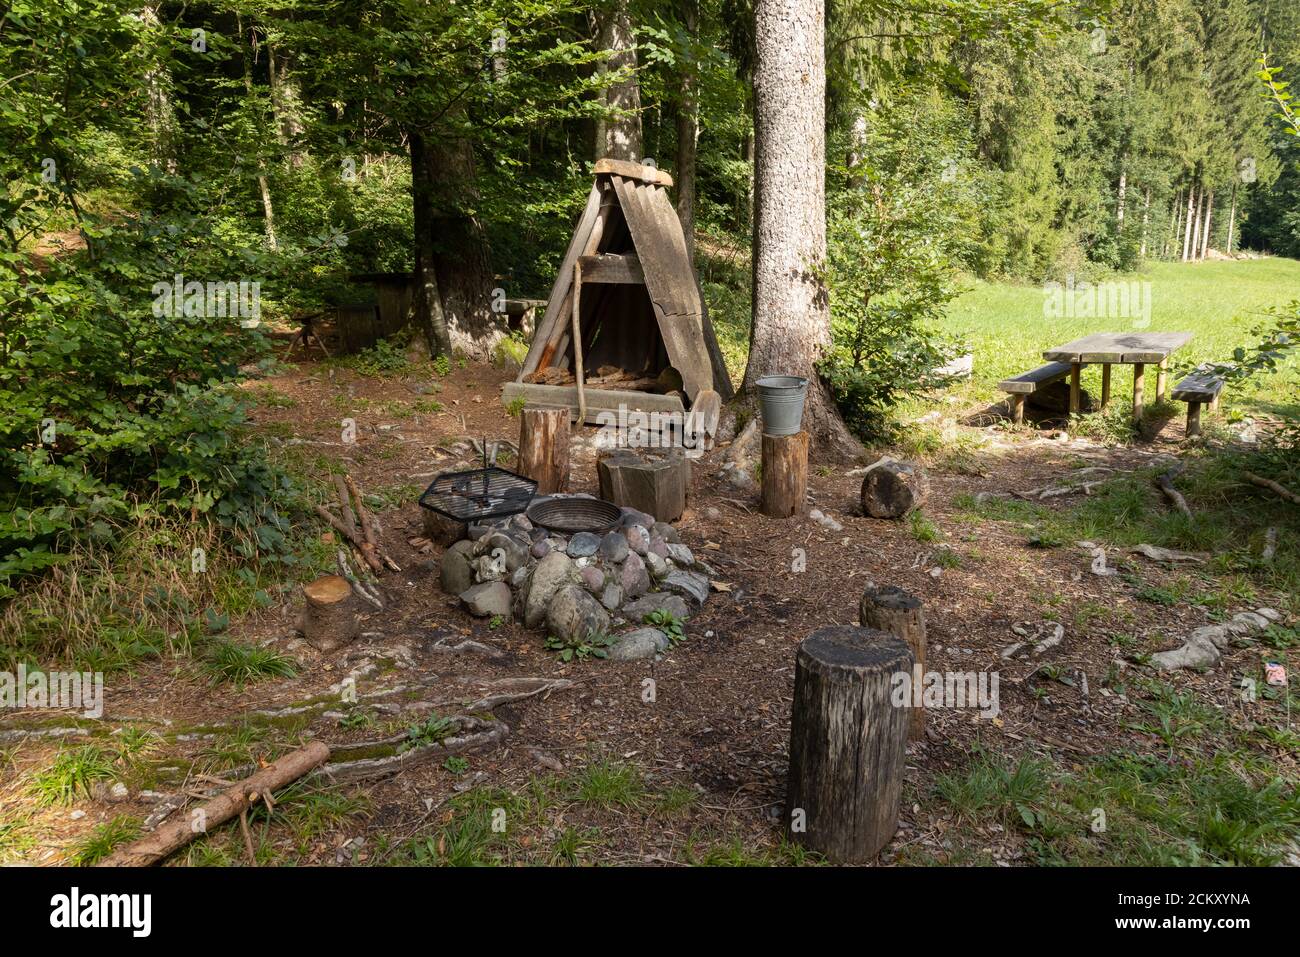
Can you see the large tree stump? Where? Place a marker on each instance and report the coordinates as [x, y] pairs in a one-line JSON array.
[[900, 614], [652, 483], [894, 489], [332, 615], [848, 742], [544, 448], [785, 475]]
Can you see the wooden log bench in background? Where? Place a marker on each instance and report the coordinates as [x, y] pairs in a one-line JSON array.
[[1200, 388], [1030, 382]]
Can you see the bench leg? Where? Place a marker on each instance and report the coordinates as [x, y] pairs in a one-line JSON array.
[[1139, 373], [1105, 386], [1214, 404], [1162, 379], [1017, 408], [1076, 368], [1193, 419]]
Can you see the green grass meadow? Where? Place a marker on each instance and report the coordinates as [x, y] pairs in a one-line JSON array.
[[1219, 302]]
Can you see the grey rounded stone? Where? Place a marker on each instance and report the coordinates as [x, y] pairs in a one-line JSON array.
[[657, 545], [455, 573], [593, 579], [681, 555], [657, 565], [638, 539], [516, 552], [583, 545], [667, 532], [639, 644], [613, 547], [552, 573], [540, 549], [487, 600], [632, 516], [633, 576], [657, 601], [612, 596], [574, 615]]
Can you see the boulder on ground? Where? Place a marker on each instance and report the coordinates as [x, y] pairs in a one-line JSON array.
[[487, 600], [657, 601], [574, 615], [551, 574], [642, 643], [633, 576], [455, 573], [690, 585]]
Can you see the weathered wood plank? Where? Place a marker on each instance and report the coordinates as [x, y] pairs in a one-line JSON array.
[[636, 171], [1198, 387], [598, 400], [1033, 380], [612, 268]]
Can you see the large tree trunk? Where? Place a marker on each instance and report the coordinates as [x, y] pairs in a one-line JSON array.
[[159, 112], [286, 100], [1232, 220], [688, 129], [453, 267], [426, 301], [1194, 251], [791, 328], [1209, 221], [263, 183], [619, 137], [461, 254], [1146, 221], [1187, 223]]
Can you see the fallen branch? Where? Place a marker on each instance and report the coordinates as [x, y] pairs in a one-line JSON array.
[[367, 550], [1165, 483], [236, 801], [369, 526], [1276, 487]]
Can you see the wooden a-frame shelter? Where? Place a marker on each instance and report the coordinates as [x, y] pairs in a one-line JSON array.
[[628, 287]]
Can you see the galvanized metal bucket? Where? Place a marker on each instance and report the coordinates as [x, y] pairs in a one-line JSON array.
[[780, 397]]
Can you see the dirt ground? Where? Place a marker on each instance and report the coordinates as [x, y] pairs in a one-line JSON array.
[[716, 733]]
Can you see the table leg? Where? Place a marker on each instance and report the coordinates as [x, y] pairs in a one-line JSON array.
[[1139, 370], [1105, 386], [1076, 369], [1162, 378]]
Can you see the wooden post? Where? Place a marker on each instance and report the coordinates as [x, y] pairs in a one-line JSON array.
[[1076, 370], [1193, 419], [1138, 373], [900, 614], [652, 483], [1105, 386], [331, 617], [1162, 379], [544, 448], [1018, 407], [848, 742], [785, 475]]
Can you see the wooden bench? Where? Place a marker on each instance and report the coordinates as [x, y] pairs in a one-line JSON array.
[[1030, 382], [1201, 387]]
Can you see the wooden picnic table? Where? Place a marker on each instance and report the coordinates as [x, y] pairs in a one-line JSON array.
[[1137, 349]]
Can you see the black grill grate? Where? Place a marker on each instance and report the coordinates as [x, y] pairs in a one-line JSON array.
[[478, 494]]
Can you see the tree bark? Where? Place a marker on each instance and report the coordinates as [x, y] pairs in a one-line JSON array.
[[1195, 249], [791, 327], [544, 448], [461, 257], [331, 613], [785, 475], [688, 129], [620, 135], [900, 614], [183, 828], [427, 301], [263, 183], [1209, 221], [1187, 222], [848, 743], [286, 100], [1232, 219]]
